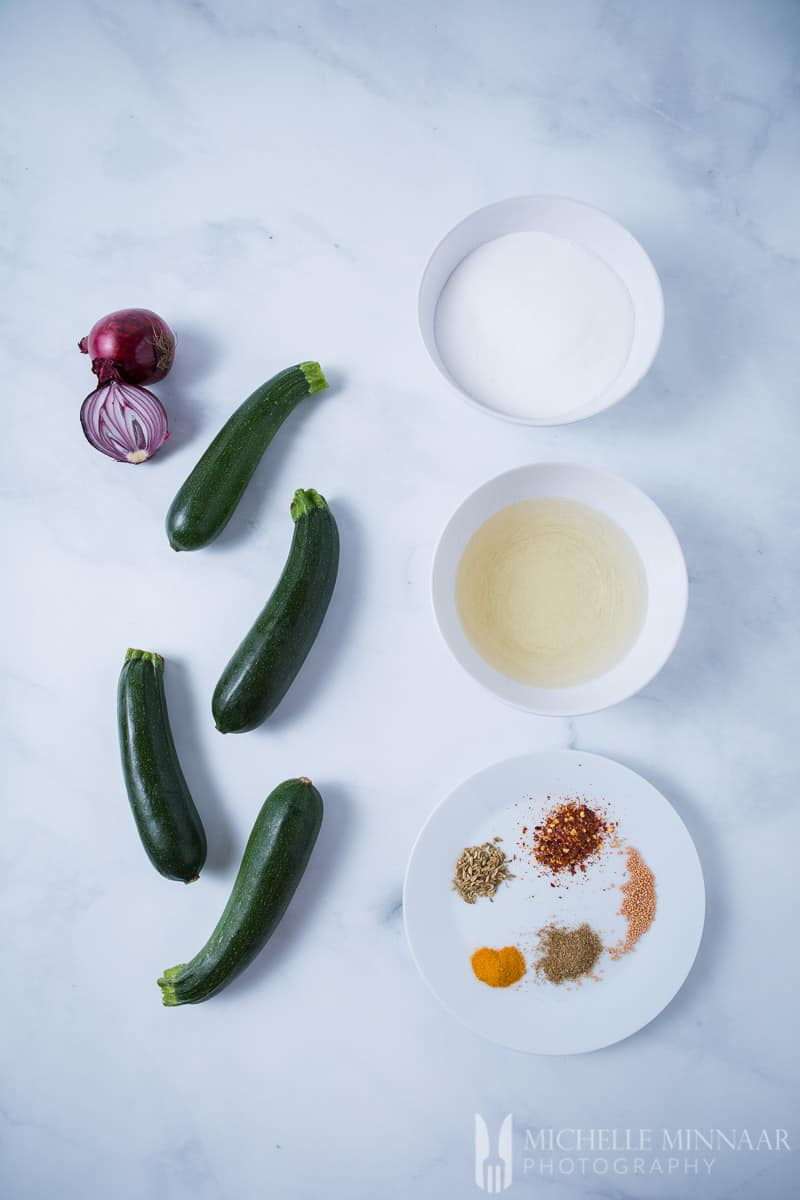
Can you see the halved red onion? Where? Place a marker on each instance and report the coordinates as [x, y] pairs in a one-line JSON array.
[[124, 421]]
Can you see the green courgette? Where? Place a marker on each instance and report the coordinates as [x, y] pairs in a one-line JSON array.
[[273, 863], [168, 822], [207, 499], [261, 670]]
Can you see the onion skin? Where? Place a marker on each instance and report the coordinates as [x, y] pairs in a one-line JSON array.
[[124, 421], [134, 345]]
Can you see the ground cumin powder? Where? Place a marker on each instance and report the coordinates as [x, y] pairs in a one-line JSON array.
[[567, 953], [498, 968]]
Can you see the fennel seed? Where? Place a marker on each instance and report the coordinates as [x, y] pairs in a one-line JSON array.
[[479, 871]]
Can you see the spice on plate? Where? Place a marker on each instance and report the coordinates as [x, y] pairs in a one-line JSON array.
[[638, 902], [567, 953], [498, 968], [479, 871], [568, 835]]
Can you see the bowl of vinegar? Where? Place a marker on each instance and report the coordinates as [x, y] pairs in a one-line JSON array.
[[562, 589]]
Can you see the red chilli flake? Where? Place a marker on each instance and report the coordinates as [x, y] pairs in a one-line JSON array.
[[568, 835]]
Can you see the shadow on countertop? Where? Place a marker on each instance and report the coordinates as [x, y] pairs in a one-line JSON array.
[[713, 325], [688, 1002], [729, 607], [260, 492], [184, 720], [700, 824], [196, 352], [326, 859], [333, 639]]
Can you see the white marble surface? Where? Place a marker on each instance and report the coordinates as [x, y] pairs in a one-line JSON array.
[[271, 178]]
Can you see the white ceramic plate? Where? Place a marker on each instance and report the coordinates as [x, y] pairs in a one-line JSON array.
[[651, 534], [535, 1016], [588, 229]]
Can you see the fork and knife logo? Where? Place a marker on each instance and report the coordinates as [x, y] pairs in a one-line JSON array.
[[493, 1171]]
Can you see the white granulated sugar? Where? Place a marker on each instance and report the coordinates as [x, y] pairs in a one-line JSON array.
[[533, 325]]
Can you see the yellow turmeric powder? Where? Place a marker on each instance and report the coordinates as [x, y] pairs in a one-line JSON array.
[[498, 968]]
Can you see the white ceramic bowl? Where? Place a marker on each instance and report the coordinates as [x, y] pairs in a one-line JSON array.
[[651, 534], [586, 227]]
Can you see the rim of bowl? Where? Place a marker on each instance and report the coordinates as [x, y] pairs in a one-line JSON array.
[[682, 583], [576, 414]]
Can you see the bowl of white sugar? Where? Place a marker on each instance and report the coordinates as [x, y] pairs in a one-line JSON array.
[[541, 310]]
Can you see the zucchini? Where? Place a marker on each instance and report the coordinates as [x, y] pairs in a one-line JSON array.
[[168, 822], [207, 499], [261, 670], [273, 863]]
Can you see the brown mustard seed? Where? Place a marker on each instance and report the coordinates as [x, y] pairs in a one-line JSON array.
[[567, 953], [568, 835], [638, 902], [479, 871]]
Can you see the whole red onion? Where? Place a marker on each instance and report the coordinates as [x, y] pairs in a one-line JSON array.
[[134, 345]]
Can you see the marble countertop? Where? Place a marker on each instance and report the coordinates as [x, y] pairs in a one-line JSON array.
[[272, 178]]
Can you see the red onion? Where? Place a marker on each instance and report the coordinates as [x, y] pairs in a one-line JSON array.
[[125, 422], [134, 345]]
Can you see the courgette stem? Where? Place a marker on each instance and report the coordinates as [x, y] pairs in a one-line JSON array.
[[306, 499], [314, 377], [146, 656], [169, 994]]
